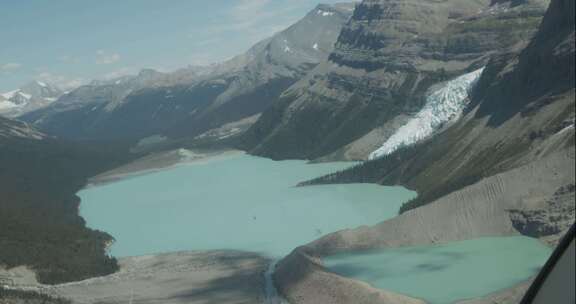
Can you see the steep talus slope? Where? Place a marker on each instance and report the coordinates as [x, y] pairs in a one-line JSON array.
[[239, 88], [39, 222], [385, 60], [505, 168], [484, 209]]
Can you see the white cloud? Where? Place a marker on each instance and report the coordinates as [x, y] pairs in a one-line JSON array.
[[248, 9], [103, 57], [10, 67], [253, 20], [124, 71], [204, 58]]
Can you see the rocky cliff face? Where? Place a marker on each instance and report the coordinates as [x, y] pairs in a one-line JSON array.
[[239, 88], [505, 168], [385, 60], [522, 109]]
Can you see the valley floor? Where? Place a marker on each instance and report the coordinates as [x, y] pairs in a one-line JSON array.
[[176, 278], [231, 276]]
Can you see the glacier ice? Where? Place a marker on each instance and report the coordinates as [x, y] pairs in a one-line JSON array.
[[442, 105]]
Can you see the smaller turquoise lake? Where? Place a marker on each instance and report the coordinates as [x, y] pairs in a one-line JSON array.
[[446, 273]]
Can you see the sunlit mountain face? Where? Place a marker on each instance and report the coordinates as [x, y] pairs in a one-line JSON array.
[[287, 152]]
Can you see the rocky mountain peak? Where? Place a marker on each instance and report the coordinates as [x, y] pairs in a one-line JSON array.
[[306, 42]]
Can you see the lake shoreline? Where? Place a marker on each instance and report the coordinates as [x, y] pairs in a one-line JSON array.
[[195, 199], [193, 277], [157, 162]]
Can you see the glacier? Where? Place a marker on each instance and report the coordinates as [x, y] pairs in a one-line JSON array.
[[443, 105]]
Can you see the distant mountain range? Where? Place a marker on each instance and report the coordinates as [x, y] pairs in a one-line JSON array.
[[30, 97], [189, 102]]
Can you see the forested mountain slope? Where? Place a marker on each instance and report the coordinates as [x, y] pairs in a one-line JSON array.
[[39, 222]]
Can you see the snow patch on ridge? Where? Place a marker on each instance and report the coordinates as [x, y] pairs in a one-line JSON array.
[[325, 13], [443, 105]]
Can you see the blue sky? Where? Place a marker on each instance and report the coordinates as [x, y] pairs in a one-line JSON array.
[[68, 42]]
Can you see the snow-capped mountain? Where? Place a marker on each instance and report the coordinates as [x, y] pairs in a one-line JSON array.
[[28, 98], [16, 97]]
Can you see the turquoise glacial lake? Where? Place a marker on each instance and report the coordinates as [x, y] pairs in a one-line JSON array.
[[446, 273], [236, 202]]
